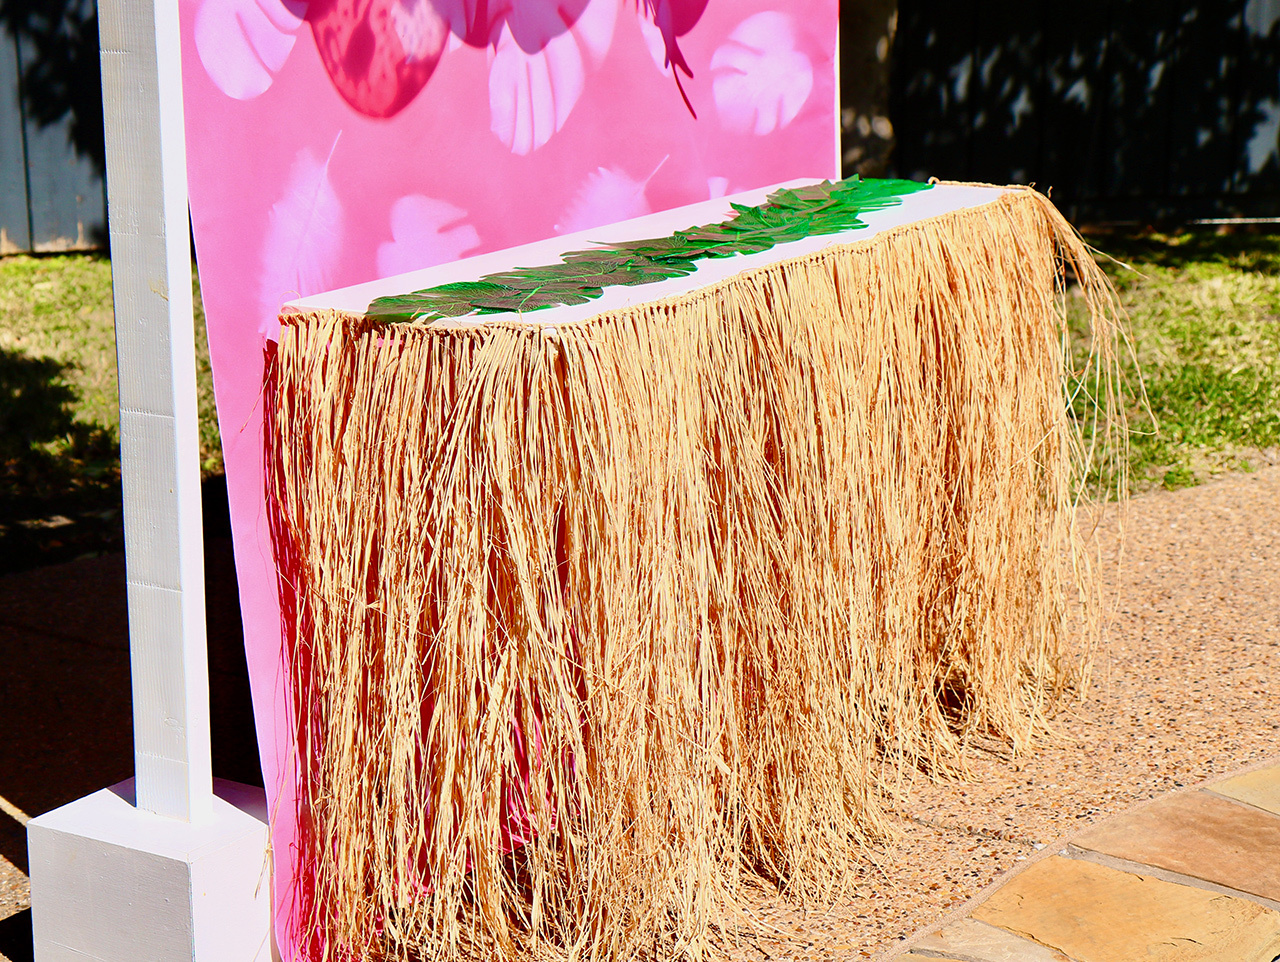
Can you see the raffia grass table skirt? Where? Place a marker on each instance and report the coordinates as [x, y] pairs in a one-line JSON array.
[[593, 626]]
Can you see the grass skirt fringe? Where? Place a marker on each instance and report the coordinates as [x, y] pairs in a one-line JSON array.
[[589, 628]]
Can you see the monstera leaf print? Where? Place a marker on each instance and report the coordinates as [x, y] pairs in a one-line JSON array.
[[761, 80], [380, 54], [244, 43], [533, 23], [532, 92], [425, 232]]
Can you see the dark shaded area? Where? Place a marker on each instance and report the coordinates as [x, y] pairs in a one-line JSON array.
[[1139, 110], [59, 478], [66, 728], [235, 745], [34, 403], [866, 43], [16, 941], [1254, 248]]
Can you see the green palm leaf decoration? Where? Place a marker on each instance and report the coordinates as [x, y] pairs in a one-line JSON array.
[[788, 215]]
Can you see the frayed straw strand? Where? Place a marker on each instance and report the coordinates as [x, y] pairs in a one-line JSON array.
[[589, 632]]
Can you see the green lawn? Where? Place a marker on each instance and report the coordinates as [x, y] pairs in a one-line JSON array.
[[1204, 309], [59, 420]]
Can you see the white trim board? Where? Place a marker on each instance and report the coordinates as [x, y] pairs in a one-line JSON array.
[[939, 199]]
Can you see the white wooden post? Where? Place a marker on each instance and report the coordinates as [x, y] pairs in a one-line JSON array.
[[160, 867], [159, 429]]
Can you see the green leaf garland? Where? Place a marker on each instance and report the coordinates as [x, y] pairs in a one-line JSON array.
[[788, 215]]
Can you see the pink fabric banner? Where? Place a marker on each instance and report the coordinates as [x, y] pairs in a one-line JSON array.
[[338, 141]]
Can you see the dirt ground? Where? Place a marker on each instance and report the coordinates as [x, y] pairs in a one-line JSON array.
[[1184, 689]]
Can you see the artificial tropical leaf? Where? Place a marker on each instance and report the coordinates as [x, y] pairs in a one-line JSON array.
[[637, 267], [789, 215], [456, 299], [596, 274], [536, 300]]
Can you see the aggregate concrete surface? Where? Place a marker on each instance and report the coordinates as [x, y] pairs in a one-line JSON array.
[[1184, 691]]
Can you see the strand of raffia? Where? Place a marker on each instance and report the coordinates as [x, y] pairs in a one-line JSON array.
[[588, 631]]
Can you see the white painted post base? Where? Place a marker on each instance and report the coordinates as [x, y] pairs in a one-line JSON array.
[[113, 883]]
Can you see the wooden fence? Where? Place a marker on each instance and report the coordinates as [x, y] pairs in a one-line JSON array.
[[52, 191], [1128, 109]]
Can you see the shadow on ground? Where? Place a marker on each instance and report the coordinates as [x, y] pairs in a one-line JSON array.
[[1249, 248], [66, 724], [16, 942], [59, 477], [66, 728]]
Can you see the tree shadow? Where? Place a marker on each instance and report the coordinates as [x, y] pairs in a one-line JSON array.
[[59, 477], [1250, 248], [1144, 110], [34, 403], [61, 72]]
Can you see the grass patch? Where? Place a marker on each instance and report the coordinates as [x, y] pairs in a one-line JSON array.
[[1205, 314], [1204, 308], [59, 410]]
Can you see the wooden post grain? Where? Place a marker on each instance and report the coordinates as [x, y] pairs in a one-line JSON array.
[[159, 436]]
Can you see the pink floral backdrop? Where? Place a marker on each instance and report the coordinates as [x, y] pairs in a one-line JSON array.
[[332, 142]]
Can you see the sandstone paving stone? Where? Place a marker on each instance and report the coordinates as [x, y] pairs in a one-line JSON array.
[[1201, 835], [1093, 913], [1260, 789], [985, 943], [913, 957]]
